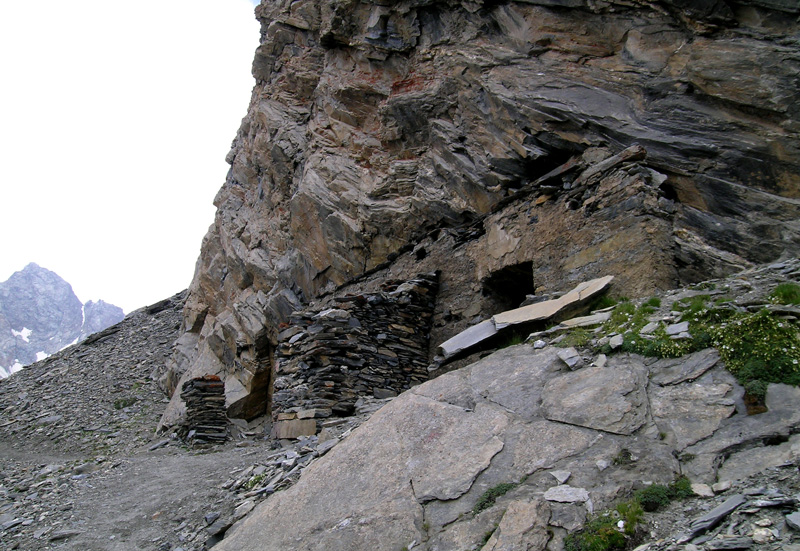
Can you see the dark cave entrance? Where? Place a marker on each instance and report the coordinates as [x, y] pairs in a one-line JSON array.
[[507, 288]]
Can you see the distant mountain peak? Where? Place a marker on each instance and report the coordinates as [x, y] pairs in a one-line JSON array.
[[40, 315]]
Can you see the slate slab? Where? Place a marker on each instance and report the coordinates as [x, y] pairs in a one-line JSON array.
[[715, 515], [793, 521], [672, 371], [608, 398], [691, 412], [468, 338], [564, 493], [549, 308]]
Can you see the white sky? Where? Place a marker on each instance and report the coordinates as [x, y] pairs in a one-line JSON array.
[[115, 119]]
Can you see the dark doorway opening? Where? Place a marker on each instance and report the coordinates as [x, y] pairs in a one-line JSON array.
[[508, 287]]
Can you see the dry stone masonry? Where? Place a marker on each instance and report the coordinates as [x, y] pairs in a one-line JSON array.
[[205, 409], [373, 344]]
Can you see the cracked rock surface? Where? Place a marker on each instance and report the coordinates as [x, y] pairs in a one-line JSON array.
[[415, 471]]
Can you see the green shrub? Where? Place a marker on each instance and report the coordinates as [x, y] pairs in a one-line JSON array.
[[786, 293], [681, 488], [659, 345], [255, 481], [654, 302], [759, 346], [757, 389], [488, 497], [512, 339], [692, 306], [622, 313], [602, 533], [654, 497]]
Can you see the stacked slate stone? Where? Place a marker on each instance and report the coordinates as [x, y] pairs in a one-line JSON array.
[[398, 323], [205, 409], [374, 344]]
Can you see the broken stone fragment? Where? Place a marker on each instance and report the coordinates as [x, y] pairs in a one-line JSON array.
[[564, 493], [294, 428], [763, 535], [725, 543], [561, 476], [714, 516], [793, 521], [571, 357], [721, 486], [677, 328], [702, 490], [649, 328]]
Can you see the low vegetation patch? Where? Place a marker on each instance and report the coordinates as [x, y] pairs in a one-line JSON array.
[[577, 338], [658, 496], [121, 403], [608, 531], [786, 293], [615, 529], [757, 347], [488, 497]]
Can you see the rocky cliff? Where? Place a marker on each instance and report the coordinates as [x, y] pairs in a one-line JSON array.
[[40, 315], [516, 147]]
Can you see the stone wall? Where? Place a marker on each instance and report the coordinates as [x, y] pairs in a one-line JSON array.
[[373, 344]]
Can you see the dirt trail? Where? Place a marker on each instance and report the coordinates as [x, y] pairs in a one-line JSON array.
[[150, 500]]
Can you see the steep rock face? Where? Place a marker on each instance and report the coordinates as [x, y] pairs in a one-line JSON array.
[[40, 315], [479, 139]]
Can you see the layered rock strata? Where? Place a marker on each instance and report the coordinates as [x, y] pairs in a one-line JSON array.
[[518, 147]]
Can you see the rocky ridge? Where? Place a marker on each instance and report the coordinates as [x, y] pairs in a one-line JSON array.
[[40, 315], [517, 147], [514, 413]]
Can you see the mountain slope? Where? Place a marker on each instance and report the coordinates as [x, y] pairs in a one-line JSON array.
[[80, 465]]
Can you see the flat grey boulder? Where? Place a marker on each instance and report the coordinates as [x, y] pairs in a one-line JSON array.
[[611, 398], [689, 413], [416, 470], [565, 493], [671, 371]]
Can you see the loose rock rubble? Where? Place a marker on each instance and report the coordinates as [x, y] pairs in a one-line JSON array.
[[97, 397], [755, 513], [118, 486]]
